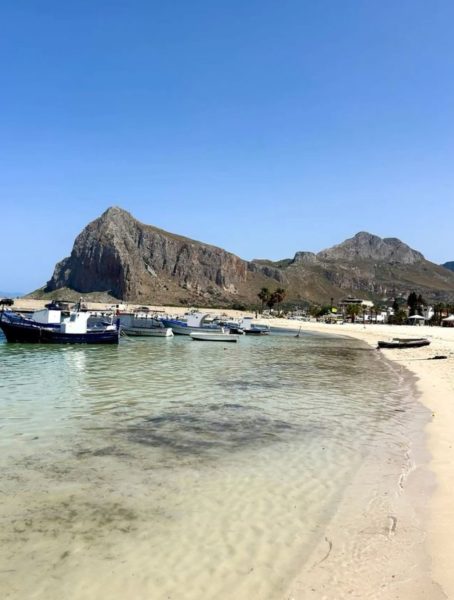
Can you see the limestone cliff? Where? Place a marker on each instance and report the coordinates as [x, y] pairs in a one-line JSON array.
[[120, 257]]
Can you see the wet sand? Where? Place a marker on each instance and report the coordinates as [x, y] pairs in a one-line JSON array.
[[427, 497]]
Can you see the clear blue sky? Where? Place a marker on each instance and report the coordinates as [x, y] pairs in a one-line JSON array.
[[262, 127]]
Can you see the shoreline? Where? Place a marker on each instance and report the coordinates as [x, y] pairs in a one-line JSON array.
[[434, 381], [431, 483]]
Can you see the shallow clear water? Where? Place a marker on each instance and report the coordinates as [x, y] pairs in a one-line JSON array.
[[167, 468]]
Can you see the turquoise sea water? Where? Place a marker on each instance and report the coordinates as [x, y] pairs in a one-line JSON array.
[[167, 468]]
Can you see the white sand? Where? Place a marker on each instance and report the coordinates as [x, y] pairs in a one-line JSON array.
[[435, 382]]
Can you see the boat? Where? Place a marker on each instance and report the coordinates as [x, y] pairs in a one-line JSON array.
[[251, 328], [214, 336], [234, 328], [49, 328], [192, 322], [404, 343], [143, 324]]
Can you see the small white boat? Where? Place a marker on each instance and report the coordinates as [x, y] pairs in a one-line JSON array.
[[148, 331], [214, 336], [251, 328], [140, 324]]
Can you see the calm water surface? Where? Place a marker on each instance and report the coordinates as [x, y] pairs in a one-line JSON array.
[[167, 468]]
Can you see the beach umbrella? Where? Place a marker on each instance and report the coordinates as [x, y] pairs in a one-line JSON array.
[[417, 317]]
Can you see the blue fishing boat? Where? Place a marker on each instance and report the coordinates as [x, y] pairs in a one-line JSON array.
[[46, 329], [144, 325]]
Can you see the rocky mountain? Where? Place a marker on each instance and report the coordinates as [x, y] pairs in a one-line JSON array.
[[364, 246], [132, 261], [119, 257], [449, 265]]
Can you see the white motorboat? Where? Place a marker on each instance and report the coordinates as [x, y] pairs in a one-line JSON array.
[[214, 336], [251, 328], [192, 322], [148, 332], [141, 324]]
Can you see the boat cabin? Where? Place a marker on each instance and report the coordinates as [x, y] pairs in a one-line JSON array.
[[197, 319], [76, 323], [47, 316], [246, 323]]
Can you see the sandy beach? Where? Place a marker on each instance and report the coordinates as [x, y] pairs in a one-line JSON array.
[[434, 500]]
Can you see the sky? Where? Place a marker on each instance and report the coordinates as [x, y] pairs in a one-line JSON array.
[[264, 127]]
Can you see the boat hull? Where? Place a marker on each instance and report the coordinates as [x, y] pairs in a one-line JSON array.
[[214, 337], [256, 332], [148, 331], [404, 344], [30, 334], [179, 328]]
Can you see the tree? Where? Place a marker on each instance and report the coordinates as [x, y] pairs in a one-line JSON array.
[[400, 317], [315, 310], [377, 311], [420, 303], [353, 310], [412, 302], [271, 301], [275, 297], [264, 295], [279, 295], [320, 311], [438, 313]]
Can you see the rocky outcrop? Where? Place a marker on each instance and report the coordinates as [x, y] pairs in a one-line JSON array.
[[267, 270], [120, 257], [130, 260], [365, 246], [306, 258]]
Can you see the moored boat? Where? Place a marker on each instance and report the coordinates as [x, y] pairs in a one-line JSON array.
[[251, 328], [47, 330], [148, 332], [193, 322], [214, 336], [141, 324], [404, 343]]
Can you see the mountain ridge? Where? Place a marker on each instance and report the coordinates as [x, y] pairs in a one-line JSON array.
[[118, 255]]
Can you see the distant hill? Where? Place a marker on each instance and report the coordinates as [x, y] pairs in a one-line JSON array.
[[449, 265], [116, 256]]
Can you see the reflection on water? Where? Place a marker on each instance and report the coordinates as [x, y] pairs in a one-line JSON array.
[[175, 469]]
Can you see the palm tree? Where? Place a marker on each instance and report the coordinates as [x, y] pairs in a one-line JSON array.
[[264, 296], [353, 311], [279, 295], [377, 311], [438, 313]]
